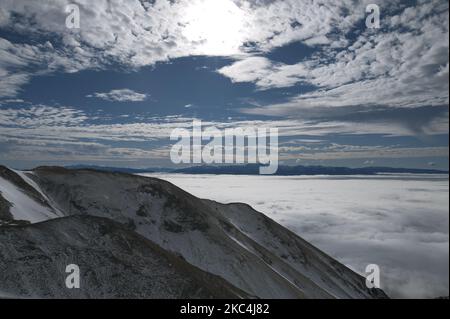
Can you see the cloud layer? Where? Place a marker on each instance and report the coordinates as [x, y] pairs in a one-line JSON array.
[[41, 132]]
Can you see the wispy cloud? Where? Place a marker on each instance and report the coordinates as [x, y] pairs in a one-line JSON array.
[[362, 152], [120, 95], [40, 132]]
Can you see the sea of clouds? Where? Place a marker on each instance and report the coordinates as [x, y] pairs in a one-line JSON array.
[[400, 223]]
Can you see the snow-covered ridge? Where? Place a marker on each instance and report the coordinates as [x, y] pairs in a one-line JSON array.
[[245, 248]]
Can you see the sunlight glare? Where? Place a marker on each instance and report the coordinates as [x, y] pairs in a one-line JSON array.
[[215, 26]]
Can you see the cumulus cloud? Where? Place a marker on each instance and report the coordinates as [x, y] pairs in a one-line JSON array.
[[405, 64], [121, 95], [162, 30]]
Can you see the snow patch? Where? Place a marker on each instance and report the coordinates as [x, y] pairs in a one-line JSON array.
[[23, 207]]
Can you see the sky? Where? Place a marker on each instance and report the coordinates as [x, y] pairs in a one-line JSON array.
[[112, 91]]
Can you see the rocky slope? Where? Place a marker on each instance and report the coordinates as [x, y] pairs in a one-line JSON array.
[[233, 243], [114, 263]]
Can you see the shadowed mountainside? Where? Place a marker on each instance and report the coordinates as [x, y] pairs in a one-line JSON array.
[[114, 262]]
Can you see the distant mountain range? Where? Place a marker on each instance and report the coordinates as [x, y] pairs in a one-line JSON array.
[[120, 169], [283, 170]]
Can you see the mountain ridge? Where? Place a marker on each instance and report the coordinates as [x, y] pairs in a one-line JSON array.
[[252, 169], [301, 170], [234, 242]]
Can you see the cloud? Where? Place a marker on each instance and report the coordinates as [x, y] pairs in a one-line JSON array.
[[39, 116], [121, 95], [157, 31], [11, 101], [364, 152], [44, 133], [295, 149], [19, 62], [63, 134], [402, 65], [405, 64]]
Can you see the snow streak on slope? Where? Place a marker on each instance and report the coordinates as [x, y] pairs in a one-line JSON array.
[[281, 246], [26, 177], [23, 207]]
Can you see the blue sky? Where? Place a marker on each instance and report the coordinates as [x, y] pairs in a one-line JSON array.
[[111, 92]]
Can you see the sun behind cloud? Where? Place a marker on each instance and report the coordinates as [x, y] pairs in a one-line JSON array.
[[217, 26]]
